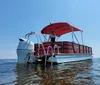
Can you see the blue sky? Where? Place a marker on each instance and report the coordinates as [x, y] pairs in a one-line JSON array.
[[18, 17]]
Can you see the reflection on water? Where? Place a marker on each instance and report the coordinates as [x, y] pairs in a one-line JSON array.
[[73, 73]]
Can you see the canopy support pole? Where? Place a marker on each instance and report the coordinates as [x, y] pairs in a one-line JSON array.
[[82, 38], [76, 38], [72, 37], [72, 34], [44, 37]]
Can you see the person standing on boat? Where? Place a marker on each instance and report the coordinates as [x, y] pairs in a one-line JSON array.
[[52, 39], [52, 36]]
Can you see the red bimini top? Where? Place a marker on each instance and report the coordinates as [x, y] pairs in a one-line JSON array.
[[59, 28]]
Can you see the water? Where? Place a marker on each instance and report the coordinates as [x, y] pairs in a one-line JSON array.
[[73, 73]]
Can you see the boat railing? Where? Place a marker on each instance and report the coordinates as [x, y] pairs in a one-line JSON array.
[[56, 46], [39, 41], [49, 49], [53, 50]]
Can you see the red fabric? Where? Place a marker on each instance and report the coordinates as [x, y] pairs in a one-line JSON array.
[[59, 28]]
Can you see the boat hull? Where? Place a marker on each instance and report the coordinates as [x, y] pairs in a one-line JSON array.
[[68, 58], [63, 52]]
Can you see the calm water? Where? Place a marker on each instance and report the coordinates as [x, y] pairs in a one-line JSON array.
[[73, 73]]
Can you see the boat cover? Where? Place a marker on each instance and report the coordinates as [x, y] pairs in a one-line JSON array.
[[59, 28]]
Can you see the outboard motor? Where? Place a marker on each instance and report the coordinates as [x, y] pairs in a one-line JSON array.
[[25, 51]]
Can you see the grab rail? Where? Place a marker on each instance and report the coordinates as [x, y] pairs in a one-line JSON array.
[[48, 49], [56, 46]]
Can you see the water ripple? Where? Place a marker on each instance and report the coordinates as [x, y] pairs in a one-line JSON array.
[[73, 73]]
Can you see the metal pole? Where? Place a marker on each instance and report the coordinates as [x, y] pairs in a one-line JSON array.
[[44, 50], [82, 37], [72, 34], [76, 37]]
